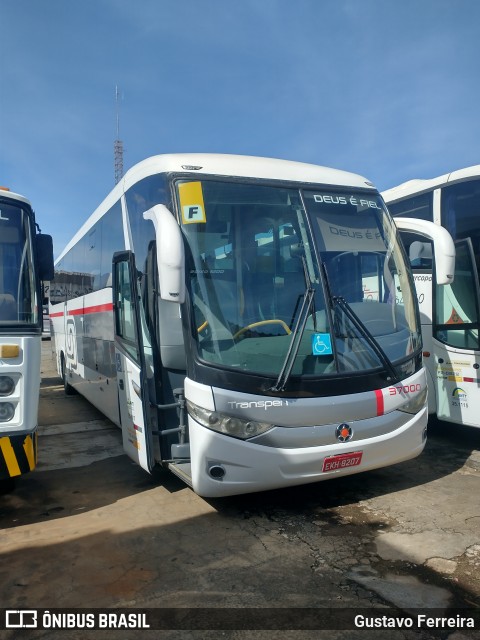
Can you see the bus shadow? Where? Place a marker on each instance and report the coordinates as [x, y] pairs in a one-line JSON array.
[[42, 496]]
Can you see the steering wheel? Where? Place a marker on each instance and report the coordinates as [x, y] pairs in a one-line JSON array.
[[203, 326], [283, 324]]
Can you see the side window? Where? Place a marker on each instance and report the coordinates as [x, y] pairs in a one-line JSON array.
[[460, 207], [125, 318], [57, 286], [112, 240], [78, 269], [141, 197], [93, 251], [68, 275], [457, 307], [87, 267], [420, 206]]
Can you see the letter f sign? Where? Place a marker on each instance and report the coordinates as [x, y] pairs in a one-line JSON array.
[[193, 213]]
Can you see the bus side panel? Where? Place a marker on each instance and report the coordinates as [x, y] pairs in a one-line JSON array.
[[83, 336], [98, 370], [458, 385]]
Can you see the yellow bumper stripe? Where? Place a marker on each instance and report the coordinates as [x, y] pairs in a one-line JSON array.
[[10, 457], [29, 449]]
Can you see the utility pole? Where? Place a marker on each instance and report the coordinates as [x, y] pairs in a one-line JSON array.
[[117, 143]]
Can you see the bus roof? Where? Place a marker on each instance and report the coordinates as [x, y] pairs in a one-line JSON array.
[[412, 187], [243, 166], [6, 193], [221, 165]]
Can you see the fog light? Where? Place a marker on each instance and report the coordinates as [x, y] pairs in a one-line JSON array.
[[7, 386], [217, 471], [7, 411]]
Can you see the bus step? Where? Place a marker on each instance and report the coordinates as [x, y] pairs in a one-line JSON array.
[[183, 470]]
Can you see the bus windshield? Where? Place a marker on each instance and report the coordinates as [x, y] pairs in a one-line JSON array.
[[18, 304], [316, 276]]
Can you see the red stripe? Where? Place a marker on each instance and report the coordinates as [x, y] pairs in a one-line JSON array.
[[380, 405], [99, 308]]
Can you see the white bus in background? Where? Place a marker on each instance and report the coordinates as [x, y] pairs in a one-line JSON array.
[[26, 258], [231, 340], [451, 314]]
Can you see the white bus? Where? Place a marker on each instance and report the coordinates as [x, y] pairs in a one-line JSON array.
[[26, 258], [450, 315], [232, 339]]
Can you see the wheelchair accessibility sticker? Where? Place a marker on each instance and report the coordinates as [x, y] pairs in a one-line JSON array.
[[321, 344]]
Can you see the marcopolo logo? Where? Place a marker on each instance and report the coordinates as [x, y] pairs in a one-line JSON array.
[[344, 432]]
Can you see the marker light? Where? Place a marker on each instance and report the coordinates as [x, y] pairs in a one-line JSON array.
[[9, 350]]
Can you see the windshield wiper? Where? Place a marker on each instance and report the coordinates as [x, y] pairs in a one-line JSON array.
[[358, 324], [365, 333], [297, 333]]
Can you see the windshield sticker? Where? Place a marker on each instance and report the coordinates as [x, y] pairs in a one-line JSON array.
[[352, 200], [321, 344], [191, 203], [350, 233]]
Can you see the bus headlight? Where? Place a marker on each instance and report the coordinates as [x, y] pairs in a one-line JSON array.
[[417, 404], [229, 425], [7, 411], [7, 386]]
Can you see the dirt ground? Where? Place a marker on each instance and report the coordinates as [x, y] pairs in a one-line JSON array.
[[89, 529]]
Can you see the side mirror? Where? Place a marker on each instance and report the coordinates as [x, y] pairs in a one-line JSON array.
[[45, 257], [443, 245], [170, 253]]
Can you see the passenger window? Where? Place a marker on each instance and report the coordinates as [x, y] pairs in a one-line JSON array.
[[112, 240]]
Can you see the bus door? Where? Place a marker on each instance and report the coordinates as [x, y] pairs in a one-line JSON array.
[[456, 328], [134, 362]]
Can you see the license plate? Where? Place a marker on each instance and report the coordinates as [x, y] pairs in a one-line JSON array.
[[342, 461]]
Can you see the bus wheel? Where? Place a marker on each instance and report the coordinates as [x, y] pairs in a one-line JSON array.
[[69, 390]]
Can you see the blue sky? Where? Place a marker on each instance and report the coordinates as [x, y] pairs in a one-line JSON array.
[[384, 88]]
